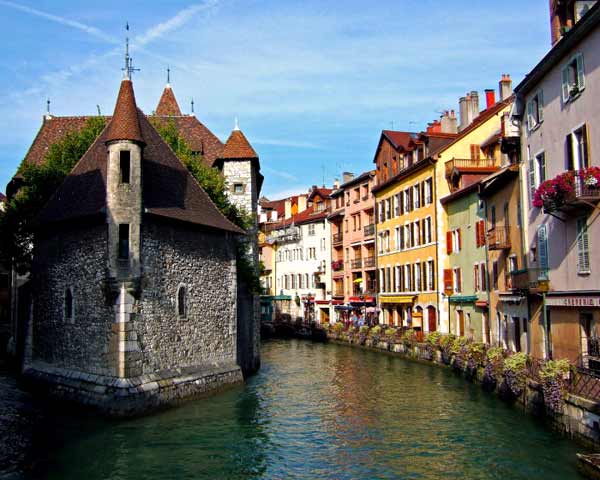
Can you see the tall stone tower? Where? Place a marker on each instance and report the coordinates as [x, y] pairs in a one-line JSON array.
[[240, 166]]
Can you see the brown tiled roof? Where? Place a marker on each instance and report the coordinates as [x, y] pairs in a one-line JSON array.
[[168, 189], [399, 139], [167, 105], [125, 124], [321, 192], [237, 147], [199, 138], [53, 130]]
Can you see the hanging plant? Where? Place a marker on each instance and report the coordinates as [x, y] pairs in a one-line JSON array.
[[493, 367], [515, 373], [554, 377], [553, 194]]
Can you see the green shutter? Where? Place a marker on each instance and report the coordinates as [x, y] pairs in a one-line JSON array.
[[540, 106], [580, 72], [529, 115], [583, 246], [543, 250]]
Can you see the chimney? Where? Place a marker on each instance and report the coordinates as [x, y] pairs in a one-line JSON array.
[[434, 127], [288, 208], [347, 176], [449, 123], [336, 184], [462, 109], [506, 89], [490, 98], [474, 105], [301, 203]]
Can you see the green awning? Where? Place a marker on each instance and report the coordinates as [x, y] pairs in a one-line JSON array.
[[282, 297], [463, 299]]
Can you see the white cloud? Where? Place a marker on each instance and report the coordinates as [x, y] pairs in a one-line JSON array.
[[95, 32]]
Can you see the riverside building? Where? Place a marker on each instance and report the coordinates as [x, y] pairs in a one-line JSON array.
[[406, 203], [353, 262], [557, 107]]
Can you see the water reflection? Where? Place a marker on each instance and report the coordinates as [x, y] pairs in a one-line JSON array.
[[321, 411]]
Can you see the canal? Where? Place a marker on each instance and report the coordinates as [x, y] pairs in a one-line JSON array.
[[319, 411]]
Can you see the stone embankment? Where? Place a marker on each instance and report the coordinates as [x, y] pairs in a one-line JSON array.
[[568, 397]]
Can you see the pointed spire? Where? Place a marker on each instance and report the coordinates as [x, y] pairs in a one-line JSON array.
[[237, 146], [167, 105], [124, 124], [168, 77]]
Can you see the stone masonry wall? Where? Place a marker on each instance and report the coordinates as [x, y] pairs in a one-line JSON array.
[[72, 258], [204, 262]]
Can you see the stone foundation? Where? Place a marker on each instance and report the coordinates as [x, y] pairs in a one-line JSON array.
[[120, 397]]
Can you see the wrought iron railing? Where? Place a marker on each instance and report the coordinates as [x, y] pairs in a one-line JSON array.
[[338, 238], [369, 230], [356, 263], [369, 262], [528, 278]]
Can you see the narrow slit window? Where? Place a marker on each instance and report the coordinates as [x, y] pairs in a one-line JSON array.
[[68, 305], [124, 241], [125, 163], [181, 302]]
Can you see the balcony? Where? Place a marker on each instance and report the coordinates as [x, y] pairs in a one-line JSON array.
[[356, 264], [369, 230], [337, 266], [470, 165], [529, 279], [285, 236], [369, 263], [338, 239], [569, 191], [499, 238]]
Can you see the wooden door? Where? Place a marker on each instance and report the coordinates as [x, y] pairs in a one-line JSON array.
[[461, 323], [431, 315]]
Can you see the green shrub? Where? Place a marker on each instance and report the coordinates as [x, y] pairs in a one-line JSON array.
[[409, 337], [433, 338], [325, 326], [338, 327], [364, 329], [390, 332], [555, 369], [376, 330], [458, 343]]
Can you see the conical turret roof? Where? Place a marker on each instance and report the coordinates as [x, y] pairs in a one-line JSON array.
[[167, 104], [125, 124], [238, 147]]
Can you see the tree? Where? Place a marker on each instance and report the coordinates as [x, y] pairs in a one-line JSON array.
[[39, 182]]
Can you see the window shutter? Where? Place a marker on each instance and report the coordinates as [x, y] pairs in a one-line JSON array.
[[583, 246], [477, 242], [541, 106], [580, 72], [569, 149], [543, 247], [483, 278], [482, 233], [448, 284], [585, 161], [449, 242], [529, 115], [565, 84], [401, 203], [459, 279], [476, 277], [459, 240], [531, 178]]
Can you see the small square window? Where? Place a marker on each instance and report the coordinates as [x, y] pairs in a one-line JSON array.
[[238, 188]]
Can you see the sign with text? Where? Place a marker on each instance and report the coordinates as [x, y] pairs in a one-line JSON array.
[[573, 301]]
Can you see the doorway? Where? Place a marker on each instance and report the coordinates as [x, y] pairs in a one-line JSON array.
[[432, 318], [461, 322]]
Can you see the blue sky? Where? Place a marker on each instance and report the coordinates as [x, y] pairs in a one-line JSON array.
[[313, 82]]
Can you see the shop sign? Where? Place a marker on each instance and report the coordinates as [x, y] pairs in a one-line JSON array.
[[573, 301]]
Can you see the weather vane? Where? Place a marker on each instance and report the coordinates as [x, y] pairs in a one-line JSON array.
[[168, 76], [129, 68], [192, 105]]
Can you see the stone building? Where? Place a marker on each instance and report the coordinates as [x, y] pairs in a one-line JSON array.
[[214, 153], [135, 294]]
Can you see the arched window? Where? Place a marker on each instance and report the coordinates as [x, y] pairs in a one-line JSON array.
[[182, 301], [69, 313]]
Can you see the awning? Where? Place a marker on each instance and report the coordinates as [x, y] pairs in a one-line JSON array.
[[322, 302], [373, 310], [404, 299], [482, 304], [463, 299], [282, 297], [342, 308], [358, 280]]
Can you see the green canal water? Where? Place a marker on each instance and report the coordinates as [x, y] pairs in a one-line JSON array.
[[320, 411]]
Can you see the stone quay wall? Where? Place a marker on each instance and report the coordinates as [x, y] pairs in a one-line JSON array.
[[575, 417], [125, 397]]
